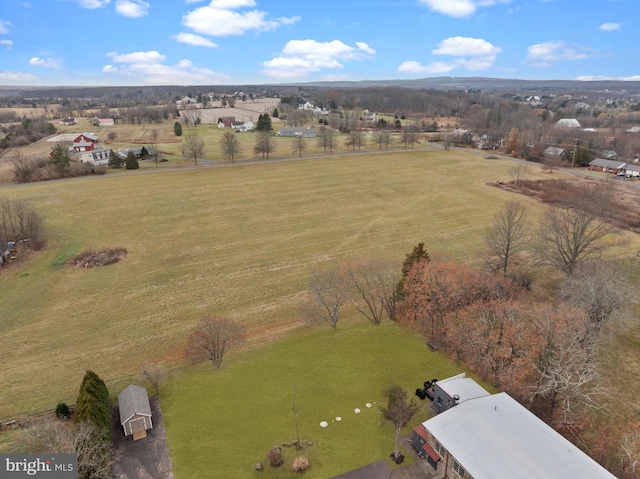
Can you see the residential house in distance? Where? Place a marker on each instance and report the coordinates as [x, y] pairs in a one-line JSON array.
[[135, 411], [555, 153], [123, 152], [96, 157], [490, 141], [297, 131], [492, 436], [610, 166], [103, 121], [84, 142], [68, 121]]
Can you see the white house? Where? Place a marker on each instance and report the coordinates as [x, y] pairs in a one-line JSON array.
[[97, 157], [494, 437]]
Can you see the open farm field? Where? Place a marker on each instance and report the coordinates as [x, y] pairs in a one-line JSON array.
[[241, 241], [210, 415]]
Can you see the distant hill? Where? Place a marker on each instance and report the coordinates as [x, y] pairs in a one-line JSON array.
[[435, 83]]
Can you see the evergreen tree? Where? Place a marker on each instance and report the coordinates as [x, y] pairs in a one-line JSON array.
[[115, 160], [177, 128], [264, 122], [60, 155], [275, 113], [93, 402], [131, 162], [418, 253], [144, 153]]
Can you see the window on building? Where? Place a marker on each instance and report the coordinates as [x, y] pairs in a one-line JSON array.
[[458, 468], [440, 448]]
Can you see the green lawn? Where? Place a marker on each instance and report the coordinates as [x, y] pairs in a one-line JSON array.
[[239, 241], [220, 423]]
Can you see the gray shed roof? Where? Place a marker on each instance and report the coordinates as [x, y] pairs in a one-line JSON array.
[[133, 400]]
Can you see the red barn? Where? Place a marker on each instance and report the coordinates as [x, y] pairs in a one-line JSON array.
[[85, 142]]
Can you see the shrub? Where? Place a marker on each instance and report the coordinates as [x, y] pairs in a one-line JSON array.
[[300, 464], [62, 411], [275, 456]]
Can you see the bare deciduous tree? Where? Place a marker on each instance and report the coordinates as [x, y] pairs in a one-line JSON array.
[[326, 139], [518, 172], [191, 116], [23, 168], [603, 293], [64, 437], [329, 293], [212, 339], [154, 144], [567, 374], [192, 147], [356, 139], [154, 374], [569, 236], [18, 221], [382, 138], [230, 145], [298, 145], [264, 144], [375, 285], [508, 234]]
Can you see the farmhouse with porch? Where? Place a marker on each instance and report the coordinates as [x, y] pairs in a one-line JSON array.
[[135, 411], [491, 436]]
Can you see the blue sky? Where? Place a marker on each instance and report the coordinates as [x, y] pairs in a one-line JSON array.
[[197, 42]]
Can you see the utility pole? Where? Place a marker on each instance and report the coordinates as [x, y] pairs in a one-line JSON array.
[[575, 149]]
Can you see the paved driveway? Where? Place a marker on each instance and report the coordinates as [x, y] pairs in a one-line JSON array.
[[146, 458]]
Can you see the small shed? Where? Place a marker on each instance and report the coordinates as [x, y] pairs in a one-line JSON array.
[[135, 411]]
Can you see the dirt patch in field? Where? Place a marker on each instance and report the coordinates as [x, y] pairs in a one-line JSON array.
[[96, 259], [623, 198]]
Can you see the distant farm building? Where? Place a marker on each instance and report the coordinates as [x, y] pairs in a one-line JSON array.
[[84, 142], [568, 123], [295, 131], [610, 166], [135, 411], [103, 121]]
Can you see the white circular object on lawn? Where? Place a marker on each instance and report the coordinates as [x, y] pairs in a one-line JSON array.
[[368, 404], [357, 410], [324, 424], [338, 418]]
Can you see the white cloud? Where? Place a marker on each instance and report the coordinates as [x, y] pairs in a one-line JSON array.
[[606, 78], [469, 53], [4, 27], [197, 40], [93, 4], [132, 8], [542, 54], [609, 27], [137, 57], [7, 44], [148, 68], [17, 78], [219, 19], [43, 62], [301, 57], [459, 8], [466, 46], [434, 68]]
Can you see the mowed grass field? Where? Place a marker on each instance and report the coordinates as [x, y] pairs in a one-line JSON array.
[[241, 241], [220, 423]]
